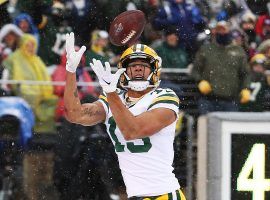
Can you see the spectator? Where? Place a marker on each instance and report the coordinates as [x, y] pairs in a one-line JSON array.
[[9, 40], [52, 34], [247, 24], [264, 48], [232, 12], [99, 47], [221, 70], [81, 75], [24, 64], [35, 8], [25, 23], [258, 85], [206, 36], [239, 38], [260, 23], [266, 29], [185, 17], [173, 56]]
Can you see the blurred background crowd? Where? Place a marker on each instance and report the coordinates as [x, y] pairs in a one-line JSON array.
[[216, 53]]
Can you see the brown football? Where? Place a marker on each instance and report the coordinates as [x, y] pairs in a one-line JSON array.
[[127, 27]]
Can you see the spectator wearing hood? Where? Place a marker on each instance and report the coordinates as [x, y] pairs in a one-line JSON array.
[[98, 47], [82, 76], [222, 73], [185, 17], [247, 24], [9, 40], [25, 23], [24, 64]]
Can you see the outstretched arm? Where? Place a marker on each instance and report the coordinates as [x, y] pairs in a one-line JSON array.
[[85, 114]]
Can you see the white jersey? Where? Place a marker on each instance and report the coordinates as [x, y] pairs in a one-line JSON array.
[[146, 164]]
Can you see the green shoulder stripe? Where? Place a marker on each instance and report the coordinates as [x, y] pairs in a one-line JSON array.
[[174, 102], [165, 98], [168, 95]]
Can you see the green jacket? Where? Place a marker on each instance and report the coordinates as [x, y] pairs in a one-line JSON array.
[[89, 55], [172, 57], [52, 42], [224, 67]]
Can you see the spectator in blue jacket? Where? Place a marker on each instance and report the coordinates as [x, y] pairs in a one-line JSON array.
[[185, 17], [25, 22]]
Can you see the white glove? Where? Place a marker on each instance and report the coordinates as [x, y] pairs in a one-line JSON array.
[[107, 80], [73, 57]]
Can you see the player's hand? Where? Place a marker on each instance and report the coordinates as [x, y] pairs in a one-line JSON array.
[[73, 57], [245, 96], [204, 87], [107, 80]]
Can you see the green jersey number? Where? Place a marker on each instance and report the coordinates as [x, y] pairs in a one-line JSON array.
[[133, 148]]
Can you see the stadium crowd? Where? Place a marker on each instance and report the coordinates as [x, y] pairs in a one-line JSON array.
[[225, 46]]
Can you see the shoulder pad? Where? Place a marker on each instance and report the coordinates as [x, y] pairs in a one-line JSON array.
[[164, 96]]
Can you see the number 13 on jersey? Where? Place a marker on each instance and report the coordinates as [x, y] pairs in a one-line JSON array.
[[133, 148]]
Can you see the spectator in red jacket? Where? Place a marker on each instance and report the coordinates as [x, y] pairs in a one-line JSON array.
[[260, 24], [266, 29]]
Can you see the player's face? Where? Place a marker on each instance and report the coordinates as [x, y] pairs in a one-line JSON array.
[[138, 69]]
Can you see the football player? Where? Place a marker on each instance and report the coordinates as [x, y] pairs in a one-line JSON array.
[[140, 118]]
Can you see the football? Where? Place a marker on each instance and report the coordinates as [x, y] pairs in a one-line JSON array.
[[127, 27]]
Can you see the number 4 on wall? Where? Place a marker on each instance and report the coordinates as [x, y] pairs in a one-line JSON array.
[[255, 163]]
